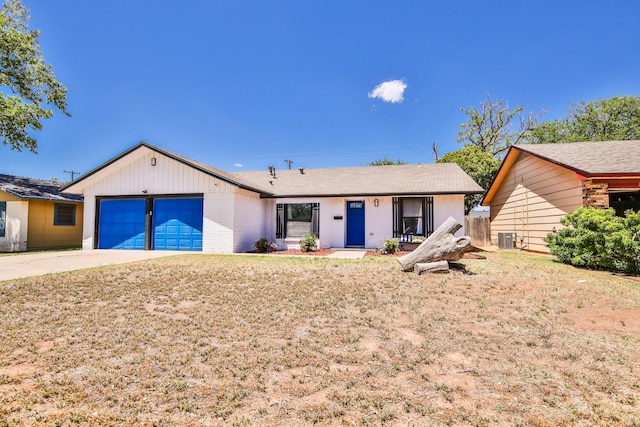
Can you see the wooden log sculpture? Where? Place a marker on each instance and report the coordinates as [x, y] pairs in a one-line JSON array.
[[431, 267], [442, 245]]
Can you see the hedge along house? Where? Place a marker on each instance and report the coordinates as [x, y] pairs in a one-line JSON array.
[[150, 198], [537, 185], [35, 214]]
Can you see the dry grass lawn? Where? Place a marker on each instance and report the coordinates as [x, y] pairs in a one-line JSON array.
[[282, 341]]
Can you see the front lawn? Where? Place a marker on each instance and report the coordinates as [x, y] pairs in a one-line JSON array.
[[276, 340]]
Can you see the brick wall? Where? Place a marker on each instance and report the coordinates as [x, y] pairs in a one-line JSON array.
[[595, 194]]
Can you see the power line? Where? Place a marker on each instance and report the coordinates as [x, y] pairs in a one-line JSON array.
[[73, 174]]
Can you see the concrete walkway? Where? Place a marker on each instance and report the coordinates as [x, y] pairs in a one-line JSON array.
[[347, 254], [39, 263]]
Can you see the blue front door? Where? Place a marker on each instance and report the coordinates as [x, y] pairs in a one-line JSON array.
[[355, 223]]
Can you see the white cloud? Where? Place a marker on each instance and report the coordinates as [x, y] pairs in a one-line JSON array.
[[391, 91], [238, 165]]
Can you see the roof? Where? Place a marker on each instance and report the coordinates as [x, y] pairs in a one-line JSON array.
[[439, 178], [209, 170], [35, 189], [591, 158], [587, 159]]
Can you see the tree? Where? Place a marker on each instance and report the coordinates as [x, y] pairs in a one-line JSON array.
[[616, 118], [478, 164], [385, 161], [493, 128], [30, 88]]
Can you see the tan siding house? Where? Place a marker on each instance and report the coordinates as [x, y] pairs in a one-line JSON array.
[[539, 184]]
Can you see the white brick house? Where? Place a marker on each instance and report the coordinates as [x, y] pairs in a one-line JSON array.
[[149, 198]]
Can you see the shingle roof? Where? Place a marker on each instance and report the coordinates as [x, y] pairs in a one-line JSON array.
[[439, 178], [591, 158], [209, 170], [31, 188]]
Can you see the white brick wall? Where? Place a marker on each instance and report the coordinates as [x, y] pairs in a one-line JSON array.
[[249, 220], [218, 223]]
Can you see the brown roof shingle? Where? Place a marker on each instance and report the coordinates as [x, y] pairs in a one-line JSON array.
[[591, 158], [439, 178]]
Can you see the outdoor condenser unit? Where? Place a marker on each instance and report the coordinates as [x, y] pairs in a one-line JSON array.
[[506, 240]]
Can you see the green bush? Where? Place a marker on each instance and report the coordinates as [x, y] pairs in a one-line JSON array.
[[263, 245], [598, 239], [308, 243], [391, 246]]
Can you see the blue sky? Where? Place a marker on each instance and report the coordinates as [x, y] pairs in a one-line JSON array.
[[244, 84]]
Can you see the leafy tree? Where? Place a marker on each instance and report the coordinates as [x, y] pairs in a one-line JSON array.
[[493, 127], [478, 164], [616, 118], [598, 239], [29, 86], [385, 161]]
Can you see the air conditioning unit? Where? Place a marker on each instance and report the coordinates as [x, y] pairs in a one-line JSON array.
[[506, 240]]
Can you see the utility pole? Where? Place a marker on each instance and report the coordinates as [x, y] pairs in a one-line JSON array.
[[73, 174], [289, 162]]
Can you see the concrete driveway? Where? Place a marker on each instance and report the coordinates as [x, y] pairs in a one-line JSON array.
[[39, 263]]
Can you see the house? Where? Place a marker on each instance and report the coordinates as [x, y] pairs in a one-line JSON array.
[[35, 214], [150, 198], [537, 185]]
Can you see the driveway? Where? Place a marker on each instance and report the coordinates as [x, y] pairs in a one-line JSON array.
[[39, 263]]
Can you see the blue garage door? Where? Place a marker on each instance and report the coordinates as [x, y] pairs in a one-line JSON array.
[[122, 224], [177, 224]]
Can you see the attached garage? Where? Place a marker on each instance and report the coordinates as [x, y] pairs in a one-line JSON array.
[[159, 223]]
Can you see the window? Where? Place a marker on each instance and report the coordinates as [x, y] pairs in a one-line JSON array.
[[622, 202], [297, 220], [412, 216], [3, 218], [64, 214]]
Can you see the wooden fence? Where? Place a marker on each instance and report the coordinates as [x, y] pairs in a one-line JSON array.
[[479, 229]]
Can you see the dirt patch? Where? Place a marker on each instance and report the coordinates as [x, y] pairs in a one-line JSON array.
[[271, 340]]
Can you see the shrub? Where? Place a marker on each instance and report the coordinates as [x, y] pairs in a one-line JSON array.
[[391, 246], [263, 245], [598, 239], [308, 243]]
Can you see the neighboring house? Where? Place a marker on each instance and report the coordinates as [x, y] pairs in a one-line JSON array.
[[34, 214], [537, 185], [150, 198]]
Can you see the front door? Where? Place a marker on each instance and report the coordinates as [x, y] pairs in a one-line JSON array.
[[355, 223]]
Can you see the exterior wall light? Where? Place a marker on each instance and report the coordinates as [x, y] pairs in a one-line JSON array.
[[376, 202], [153, 161]]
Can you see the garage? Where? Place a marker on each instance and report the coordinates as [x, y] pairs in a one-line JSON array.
[[177, 224], [122, 224], [172, 223]]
